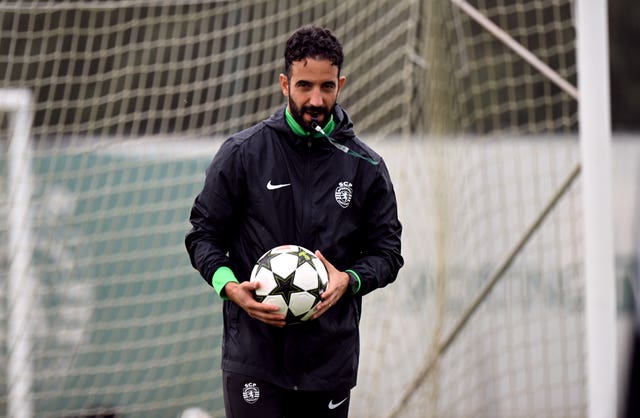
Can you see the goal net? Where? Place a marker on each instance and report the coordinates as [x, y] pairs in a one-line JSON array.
[[471, 104]]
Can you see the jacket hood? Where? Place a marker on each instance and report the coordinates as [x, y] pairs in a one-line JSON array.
[[342, 132]]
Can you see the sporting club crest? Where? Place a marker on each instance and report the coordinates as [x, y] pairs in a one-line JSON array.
[[250, 393], [344, 192]]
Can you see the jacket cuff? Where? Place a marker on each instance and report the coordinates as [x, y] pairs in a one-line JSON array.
[[221, 277], [355, 281]]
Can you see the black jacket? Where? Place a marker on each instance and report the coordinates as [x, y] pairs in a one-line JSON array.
[[339, 204]]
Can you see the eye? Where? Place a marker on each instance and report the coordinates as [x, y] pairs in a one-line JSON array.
[[303, 85]]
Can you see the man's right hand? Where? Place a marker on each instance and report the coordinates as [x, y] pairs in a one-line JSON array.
[[242, 295]]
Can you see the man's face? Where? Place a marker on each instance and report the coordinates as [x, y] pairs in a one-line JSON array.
[[312, 90]]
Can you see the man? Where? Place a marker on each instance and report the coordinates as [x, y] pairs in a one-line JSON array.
[[283, 182]]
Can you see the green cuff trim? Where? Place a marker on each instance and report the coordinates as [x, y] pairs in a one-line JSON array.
[[221, 277], [358, 280]]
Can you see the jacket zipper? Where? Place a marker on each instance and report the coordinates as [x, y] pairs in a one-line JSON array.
[[306, 201]]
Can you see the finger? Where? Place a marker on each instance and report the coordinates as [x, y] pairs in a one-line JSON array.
[[320, 311], [272, 311], [277, 320], [273, 317], [329, 292], [326, 295], [258, 308], [270, 319], [269, 314], [279, 324], [251, 285], [322, 307]]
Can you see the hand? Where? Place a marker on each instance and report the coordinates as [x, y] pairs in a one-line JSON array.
[[242, 295], [337, 286]]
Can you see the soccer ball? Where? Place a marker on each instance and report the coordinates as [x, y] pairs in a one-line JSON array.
[[292, 278]]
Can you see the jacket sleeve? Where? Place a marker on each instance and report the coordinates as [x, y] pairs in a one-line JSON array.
[[214, 213], [381, 257]]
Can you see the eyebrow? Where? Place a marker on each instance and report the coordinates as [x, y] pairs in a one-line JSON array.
[[324, 83]]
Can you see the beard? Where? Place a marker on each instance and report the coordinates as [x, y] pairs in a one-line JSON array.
[[316, 112]]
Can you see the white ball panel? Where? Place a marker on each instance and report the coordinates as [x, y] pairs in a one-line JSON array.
[[277, 300], [284, 264], [306, 277], [301, 302], [266, 280]]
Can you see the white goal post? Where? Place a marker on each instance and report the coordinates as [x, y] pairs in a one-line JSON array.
[[595, 149], [19, 294]]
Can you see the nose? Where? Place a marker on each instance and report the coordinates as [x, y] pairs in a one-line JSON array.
[[315, 98]]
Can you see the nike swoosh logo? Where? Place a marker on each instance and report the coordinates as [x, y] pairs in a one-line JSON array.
[[335, 405], [276, 186]]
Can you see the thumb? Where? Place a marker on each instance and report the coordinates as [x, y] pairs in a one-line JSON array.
[[326, 263]]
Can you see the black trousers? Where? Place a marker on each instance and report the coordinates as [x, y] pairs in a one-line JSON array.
[[248, 397]]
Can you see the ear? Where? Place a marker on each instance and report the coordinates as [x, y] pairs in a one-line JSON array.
[[284, 84], [341, 82]]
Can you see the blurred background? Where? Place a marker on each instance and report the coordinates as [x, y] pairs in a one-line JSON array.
[[110, 112]]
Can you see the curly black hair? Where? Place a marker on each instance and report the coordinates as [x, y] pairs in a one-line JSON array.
[[312, 42]]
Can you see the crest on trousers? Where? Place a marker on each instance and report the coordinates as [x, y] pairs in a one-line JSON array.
[[250, 393], [344, 192]]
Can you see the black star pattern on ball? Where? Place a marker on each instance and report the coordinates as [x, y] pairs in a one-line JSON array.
[[285, 286], [265, 261]]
